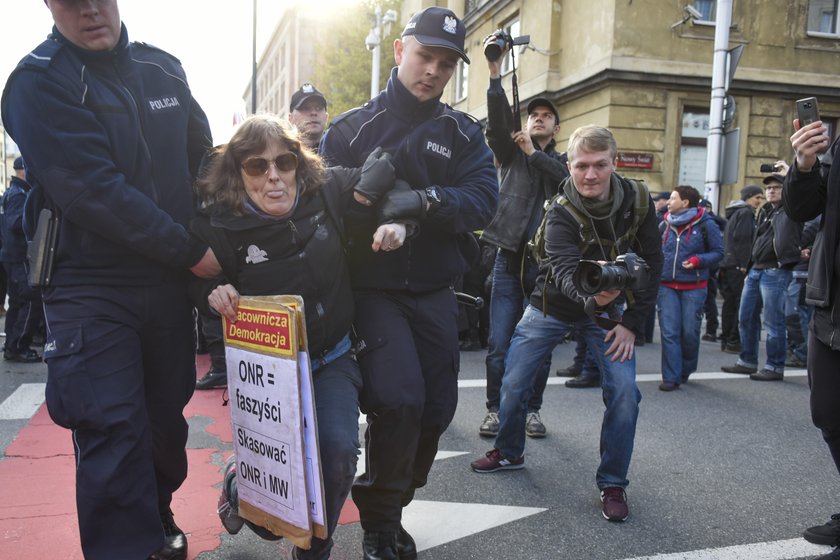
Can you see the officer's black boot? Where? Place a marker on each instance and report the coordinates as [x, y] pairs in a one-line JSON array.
[[380, 546], [406, 547], [175, 541]]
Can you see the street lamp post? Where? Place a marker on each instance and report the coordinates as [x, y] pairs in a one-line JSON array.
[[373, 43]]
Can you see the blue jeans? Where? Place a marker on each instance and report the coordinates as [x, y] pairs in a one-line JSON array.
[[336, 386], [506, 305], [680, 316], [769, 286], [802, 312], [534, 339]]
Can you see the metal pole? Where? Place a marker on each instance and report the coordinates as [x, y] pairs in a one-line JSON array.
[[254, 62], [715, 140], [374, 67]]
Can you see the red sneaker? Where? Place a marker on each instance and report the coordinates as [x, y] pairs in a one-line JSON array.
[[614, 504], [494, 461]]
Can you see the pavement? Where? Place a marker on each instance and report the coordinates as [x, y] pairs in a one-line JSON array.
[[724, 468]]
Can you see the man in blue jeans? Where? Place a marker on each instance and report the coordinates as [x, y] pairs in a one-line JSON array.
[[775, 251], [531, 171], [599, 217]]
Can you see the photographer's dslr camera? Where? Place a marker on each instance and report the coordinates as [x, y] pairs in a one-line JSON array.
[[627, 272], [493, 49]]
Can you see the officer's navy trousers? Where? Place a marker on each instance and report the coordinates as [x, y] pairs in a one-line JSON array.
[[408, 353], [121, 369]]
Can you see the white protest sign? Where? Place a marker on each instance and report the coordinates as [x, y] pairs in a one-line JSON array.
[[261, 350]]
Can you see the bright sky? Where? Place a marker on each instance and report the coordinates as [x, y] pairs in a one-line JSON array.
[[212, 39]]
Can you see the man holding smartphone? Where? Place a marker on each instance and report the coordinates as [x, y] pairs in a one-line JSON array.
[[806, 192]]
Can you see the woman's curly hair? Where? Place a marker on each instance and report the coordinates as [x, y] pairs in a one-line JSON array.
[[220, 179]]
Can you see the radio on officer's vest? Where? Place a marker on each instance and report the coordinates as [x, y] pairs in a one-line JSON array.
[[41, 250]]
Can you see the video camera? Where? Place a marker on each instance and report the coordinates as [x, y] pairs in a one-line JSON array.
[[493, 49], [627, 272]]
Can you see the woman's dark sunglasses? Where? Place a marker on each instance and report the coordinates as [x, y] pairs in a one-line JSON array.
[[258, 166]]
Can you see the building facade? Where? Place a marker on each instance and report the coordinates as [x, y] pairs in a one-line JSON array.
[[643, 68]]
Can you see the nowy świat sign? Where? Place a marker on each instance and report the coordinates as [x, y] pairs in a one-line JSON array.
[[273, 415]]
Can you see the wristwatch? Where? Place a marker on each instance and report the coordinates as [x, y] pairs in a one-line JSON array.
[[433, 199]]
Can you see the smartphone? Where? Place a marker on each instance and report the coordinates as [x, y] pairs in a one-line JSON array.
[[807, 111]]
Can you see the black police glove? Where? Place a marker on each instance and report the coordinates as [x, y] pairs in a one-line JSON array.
[[402, 204], [377, 176]]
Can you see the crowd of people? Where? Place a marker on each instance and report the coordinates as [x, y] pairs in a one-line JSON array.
[[373, 221]]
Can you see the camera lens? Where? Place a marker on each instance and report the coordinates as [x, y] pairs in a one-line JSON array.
[[493, 50]]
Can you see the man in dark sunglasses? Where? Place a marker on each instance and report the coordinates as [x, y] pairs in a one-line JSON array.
[[406, 311], [308, 113], [113, 139]]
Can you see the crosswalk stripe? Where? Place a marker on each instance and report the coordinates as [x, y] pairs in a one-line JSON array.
[[23, 402], [643, 377], [436, 523], [774, 550]]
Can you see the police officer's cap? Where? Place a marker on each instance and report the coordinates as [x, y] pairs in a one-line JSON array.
[[306, 91], [438, 27]]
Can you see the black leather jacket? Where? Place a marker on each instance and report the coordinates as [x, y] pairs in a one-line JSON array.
[[808, 195], [526, 181], [778, 239]]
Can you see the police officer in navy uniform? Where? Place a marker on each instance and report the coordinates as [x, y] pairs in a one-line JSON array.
[[405, 306], [113, 139], [308, 114], [25, 315]]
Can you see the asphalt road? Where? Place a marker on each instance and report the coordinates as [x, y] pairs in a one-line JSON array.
[[723, 468]]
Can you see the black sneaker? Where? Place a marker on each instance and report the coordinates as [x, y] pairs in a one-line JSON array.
[[534, 428], [213, 379], [738, 368], [828, 534], [767, 375], [28, 356], [709, 337], [570, 371], [583, 382], [175, 541]]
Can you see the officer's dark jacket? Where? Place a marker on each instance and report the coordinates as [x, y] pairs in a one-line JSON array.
[[526, 181], [778, 239], [432, 145], [807, 195], [14, 242], [300, 255], [563, 246], [738, 235], [112, 140]]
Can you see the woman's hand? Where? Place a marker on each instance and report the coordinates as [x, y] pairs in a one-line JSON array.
[[388, 237], [225, 300]]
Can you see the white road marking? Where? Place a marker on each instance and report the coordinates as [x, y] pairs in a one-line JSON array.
[[360, 465], [436, 523], [643, 377], [775, 550], [24, 402]]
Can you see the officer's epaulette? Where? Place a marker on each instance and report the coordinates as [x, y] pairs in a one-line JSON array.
[[348, 113], [151, 47], [42, 55]]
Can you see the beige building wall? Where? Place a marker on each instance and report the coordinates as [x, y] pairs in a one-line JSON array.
[[625, 65]]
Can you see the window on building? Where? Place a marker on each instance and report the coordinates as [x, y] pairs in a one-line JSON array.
[[706, 8], [511, 28], [823, 16], [462, 78], [695, 130]]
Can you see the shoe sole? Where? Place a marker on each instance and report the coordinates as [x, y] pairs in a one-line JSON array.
[[535, 435], [821, 539], [739, 372], [497, 469], [604, 515], [488, 433]]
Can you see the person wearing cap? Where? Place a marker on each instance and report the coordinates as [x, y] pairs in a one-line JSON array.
[[775, 252], [406, 312], [308, 113], [737, 246], [113, 139], [25, 313], [810, 189], [531, 171]]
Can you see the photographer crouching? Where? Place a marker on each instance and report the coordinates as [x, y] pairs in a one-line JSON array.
[[600, 217]]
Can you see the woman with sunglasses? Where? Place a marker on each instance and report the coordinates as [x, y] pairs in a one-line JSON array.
[[271, 214]]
